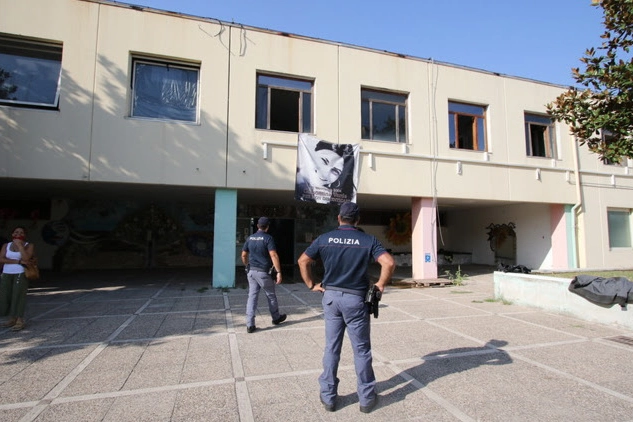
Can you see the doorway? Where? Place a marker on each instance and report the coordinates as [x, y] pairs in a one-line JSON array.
[[283, 231], [503, 242]]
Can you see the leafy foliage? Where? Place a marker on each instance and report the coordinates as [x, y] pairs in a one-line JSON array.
[[605, 100], [458, 278]]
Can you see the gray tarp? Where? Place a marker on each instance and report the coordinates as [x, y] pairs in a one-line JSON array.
[[603, 291]]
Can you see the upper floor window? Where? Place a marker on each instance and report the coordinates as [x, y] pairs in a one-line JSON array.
[[164, 90], [607, 137], [540, 138], [30, 72], [619, 223], [283, 104], [383, 116], [467, 126]]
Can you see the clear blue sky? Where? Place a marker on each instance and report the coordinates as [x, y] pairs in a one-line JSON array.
[[536, 39]]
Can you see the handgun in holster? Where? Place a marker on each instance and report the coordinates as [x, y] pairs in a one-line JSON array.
[[373, 299]]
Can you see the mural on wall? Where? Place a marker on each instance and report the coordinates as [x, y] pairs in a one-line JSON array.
[[197, 223], [97, 234], [502, 240], [399, 230], [151, 231], [127, 234], [55, 233]]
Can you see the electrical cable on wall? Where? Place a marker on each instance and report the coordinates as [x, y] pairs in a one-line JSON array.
[[433, 76], [222, 28], [220, 32], [243, 40]]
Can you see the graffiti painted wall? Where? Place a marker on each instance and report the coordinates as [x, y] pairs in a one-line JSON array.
[[103, 234]]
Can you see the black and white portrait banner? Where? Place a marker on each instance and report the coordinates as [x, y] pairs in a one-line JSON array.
[[327, 173]]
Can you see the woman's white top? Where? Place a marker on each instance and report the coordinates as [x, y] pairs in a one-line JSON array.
[[13, 268]]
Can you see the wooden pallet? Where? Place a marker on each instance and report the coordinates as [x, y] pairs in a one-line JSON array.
[[433, 283]]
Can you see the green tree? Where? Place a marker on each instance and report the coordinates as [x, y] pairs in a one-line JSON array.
[[603, 102]]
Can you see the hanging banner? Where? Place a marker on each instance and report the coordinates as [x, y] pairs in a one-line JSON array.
[[327, 173]]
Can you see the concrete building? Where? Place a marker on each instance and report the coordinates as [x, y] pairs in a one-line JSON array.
[[132, 137]]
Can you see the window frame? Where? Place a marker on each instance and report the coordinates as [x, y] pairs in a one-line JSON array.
[[36, 49], [167, 63], [549, 138], [284, 83], [611, 231], [604, 135], [400, 111], [454, 115]]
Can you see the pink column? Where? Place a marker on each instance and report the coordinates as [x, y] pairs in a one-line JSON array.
[[423, 239], [559, 236]]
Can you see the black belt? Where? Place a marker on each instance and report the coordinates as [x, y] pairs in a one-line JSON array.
[[344, 290], [258, 269]]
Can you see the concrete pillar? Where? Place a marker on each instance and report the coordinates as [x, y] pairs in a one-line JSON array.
[[423, 238], [559, 237], [224, 232]]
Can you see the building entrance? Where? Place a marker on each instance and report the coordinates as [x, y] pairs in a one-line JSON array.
[[283, 231]]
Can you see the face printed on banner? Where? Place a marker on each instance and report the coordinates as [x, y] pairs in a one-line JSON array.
[[328, 167], [326, 172]]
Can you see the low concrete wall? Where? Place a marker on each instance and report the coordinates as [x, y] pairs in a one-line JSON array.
[[552, 294]]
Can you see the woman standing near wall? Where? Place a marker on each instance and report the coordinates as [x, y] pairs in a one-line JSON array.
[[13, 282]]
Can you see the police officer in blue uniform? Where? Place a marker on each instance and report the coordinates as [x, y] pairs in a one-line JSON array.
[[346, 254], [259, 254]]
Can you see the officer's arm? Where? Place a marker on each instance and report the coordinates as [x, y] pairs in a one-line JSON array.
[[305, 266], [387, 266], [276, 263], [275, 258], [244, 257]]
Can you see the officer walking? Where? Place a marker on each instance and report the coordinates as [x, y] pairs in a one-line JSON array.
[[259, 254], [346, 254]]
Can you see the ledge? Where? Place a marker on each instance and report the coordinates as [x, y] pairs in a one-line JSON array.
[[552, 294]]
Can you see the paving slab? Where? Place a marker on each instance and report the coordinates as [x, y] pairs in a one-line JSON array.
[[166, 346]]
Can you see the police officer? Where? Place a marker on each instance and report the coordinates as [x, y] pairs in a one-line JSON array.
[[346, 253], [259, 254]]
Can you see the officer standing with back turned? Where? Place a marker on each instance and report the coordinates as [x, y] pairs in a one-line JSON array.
[[346, 254]]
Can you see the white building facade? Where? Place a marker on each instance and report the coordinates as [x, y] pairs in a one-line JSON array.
[[136, 115]]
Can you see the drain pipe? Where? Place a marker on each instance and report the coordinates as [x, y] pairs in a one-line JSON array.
[[577, 206]]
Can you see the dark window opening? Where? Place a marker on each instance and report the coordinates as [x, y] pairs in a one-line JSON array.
[[283, 104], [539, 136], [466, 126], [284, 110]]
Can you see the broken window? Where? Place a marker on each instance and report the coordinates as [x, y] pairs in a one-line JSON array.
[[164, 90], [540, 137], [283, 104]]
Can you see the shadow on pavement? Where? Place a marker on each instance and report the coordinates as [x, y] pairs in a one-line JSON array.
[[440, 364]]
